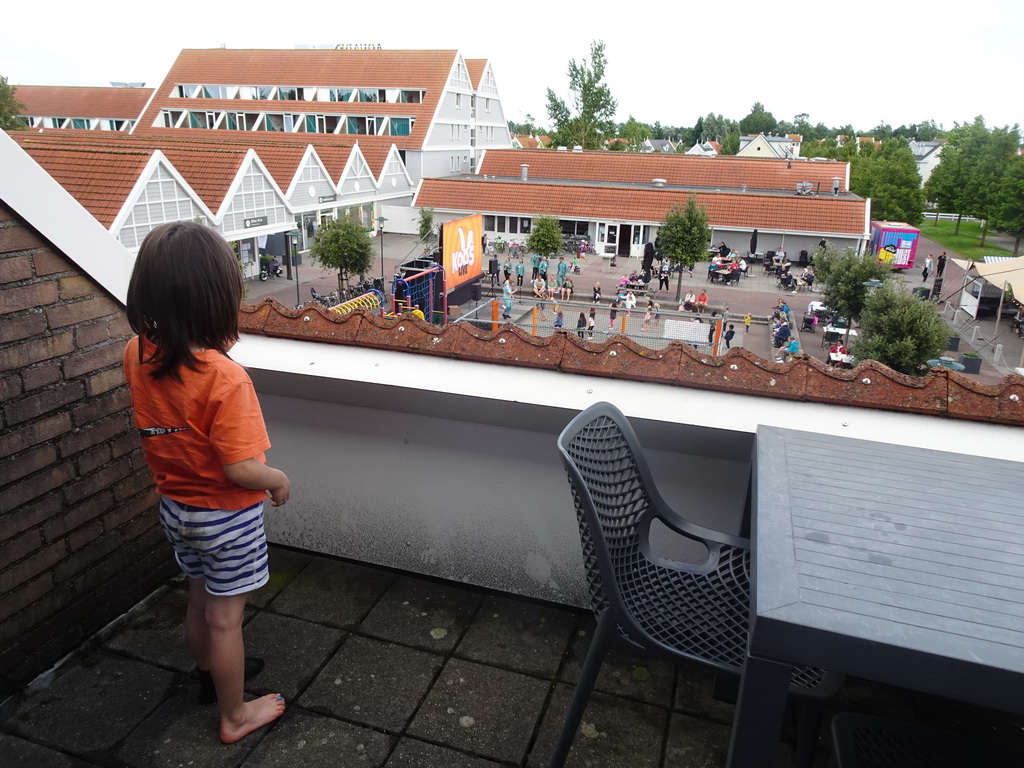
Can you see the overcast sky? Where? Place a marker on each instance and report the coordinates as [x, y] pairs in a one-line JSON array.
[[896, 62]]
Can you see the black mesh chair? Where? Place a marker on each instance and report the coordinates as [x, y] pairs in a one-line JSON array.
[[649, 604], [863, 741]]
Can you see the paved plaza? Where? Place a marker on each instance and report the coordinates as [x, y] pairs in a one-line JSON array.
[[1000, 348]]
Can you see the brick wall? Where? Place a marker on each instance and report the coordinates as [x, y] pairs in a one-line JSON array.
[[79, 543]]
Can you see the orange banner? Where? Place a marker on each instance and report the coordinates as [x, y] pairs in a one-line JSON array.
[[463, 257]]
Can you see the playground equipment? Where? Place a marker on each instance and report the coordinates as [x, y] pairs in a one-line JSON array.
[[372, 300], [422, 293]]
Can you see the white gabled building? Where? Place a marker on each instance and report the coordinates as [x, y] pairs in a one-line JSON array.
[[438, 108]]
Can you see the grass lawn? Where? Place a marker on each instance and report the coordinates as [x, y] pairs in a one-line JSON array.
[[965, 244]]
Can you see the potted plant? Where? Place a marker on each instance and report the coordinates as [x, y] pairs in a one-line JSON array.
[[971, 362]]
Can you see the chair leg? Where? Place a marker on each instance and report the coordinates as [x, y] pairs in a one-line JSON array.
[[588, 676], [808, 725]]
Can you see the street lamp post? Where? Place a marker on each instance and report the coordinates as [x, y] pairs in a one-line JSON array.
[[380, 236]]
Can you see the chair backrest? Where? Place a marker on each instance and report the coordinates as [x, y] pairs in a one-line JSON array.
[[616, 501], [610, 490]]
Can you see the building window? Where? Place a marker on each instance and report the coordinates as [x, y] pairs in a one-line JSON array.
[[488, 223], [458, 101], [500, 221], [400, 126], [513, 225], [356, 125], [410, 97], [369, 94], [274, 123], [456, 132], [214, 92], [288, 93], [487, 105], [80, 123], [524, 225]]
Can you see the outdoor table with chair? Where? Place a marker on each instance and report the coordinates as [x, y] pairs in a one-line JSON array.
[[920, 586]]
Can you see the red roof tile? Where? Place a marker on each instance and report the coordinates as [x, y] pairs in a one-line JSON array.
[[736, 209], [72, 101], [684, 170]]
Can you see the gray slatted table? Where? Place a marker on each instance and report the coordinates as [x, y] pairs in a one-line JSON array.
[[900, 565]]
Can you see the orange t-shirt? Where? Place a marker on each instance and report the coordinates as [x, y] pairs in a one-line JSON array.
[[191, 428]]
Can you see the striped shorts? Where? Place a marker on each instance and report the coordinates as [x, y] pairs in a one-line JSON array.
[[227, 549]]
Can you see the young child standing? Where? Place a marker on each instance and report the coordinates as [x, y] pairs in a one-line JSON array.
[[204, 438]]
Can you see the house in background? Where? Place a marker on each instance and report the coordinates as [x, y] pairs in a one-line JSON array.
[[705, 149], [81, 108], [658, 145], [787, 147], [926, 155]]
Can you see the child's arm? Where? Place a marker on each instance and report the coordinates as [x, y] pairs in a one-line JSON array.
[[254, 474]]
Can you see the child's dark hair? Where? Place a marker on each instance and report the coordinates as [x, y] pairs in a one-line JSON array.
[[184, 295]]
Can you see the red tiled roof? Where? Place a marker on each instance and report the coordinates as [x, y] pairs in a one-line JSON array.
[[209, 163], [734, 209], [376, 156], [98, 177], [684, 170], [476, 68], [73, 101], [426, 70]]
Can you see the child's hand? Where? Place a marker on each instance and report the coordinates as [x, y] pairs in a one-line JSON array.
[[281, 493]]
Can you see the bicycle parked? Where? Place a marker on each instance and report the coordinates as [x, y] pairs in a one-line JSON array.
[[327, 300]]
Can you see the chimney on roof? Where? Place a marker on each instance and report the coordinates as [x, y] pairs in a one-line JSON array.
[[524, 171]]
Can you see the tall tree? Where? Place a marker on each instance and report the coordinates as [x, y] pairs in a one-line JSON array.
[[589, 120], [545, 236], [889, 177], [10, 107], [999, 147], [343, 245], [899, 330], [684, 237], [1009, 212], [949, 185], [759, 120]]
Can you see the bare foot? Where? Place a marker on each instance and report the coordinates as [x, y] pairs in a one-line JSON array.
[[255, 714]]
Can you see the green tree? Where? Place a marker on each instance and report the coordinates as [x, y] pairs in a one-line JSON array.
[[759, 120], [1009, 210], [545, 236], [426, 222], [343, 245], [844, 274], [899, 330], [589, 120], [636, 133], [949, 184], [731, 144], [999, 147], [10, 107], [684, 236], [890, 178]]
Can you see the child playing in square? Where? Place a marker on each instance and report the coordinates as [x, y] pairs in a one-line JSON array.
[[204, 438]]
